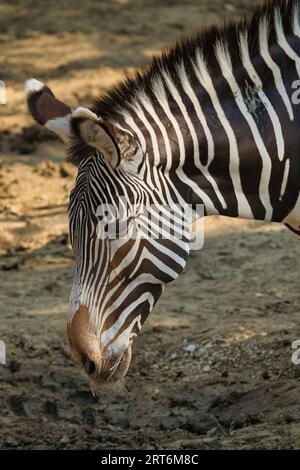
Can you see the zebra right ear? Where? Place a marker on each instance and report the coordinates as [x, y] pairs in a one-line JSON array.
[[118, 146], [89, 128]]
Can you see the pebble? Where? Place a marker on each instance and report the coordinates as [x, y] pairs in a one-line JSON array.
[[265, 375], [296, 372], [200, 352], [59, 377], [229, 7], [11, 441], [64, 439], [173, 356], [40, 447], [206, 369], [65, 170], [212, 432], [16, 404], [190, 348], [50, 408], [12, 263], [14, 366]]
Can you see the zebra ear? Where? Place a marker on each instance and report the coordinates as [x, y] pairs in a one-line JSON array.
[[48, 110], [118, 146], [88, 127]]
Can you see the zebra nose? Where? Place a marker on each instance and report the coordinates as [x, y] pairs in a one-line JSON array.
[[84, 344], [90, 368]]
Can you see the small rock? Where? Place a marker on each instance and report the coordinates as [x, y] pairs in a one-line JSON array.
[[190, 348], [16, 404], [63, 239], [10, 441], [46, 168], [289, 418], [65, 170], [64, 439], [265, 375], [88, 416], [212, 432], [59, 377], [14, 366], [173, 356], [40, 447], [52, 286], [12, 263], [50, 408], [229, 7], [200, 352], [296, 372], [206, 369]]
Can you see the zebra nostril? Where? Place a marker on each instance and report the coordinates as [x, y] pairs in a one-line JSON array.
[[90, 367]]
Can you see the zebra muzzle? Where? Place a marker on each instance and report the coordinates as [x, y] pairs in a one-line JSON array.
[[99, 364], [84, 343]]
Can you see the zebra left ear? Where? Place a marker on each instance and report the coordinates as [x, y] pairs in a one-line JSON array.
[[118, 146], [47, 110]]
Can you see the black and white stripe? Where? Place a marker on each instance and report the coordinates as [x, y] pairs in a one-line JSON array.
[[212, 121]]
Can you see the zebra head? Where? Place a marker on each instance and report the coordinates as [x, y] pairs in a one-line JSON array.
[[122, 263]]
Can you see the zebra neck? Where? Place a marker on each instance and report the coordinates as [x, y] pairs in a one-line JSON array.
[[218, 118]]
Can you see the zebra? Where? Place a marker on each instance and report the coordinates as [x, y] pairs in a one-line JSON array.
[[213, 121]]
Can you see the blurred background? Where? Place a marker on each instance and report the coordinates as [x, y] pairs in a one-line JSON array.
[[212, 367]]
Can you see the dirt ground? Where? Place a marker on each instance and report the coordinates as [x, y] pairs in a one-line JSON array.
[[212, 367]]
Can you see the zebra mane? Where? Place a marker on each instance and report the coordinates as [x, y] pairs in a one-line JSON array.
[[207, 44]]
